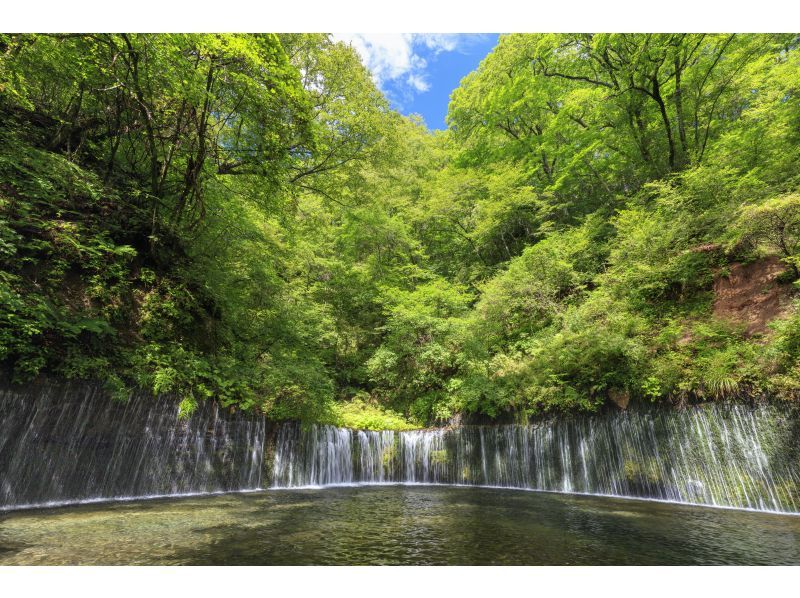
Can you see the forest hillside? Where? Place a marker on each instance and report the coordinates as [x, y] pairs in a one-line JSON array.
[[243, 218]]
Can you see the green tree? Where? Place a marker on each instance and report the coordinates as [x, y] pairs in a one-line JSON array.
[[775, 223]]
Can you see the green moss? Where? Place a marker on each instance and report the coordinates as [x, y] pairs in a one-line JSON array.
[[465, 475], [439, 457], [388, 456], [640, 473]]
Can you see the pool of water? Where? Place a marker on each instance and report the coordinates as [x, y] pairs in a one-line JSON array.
[[393, 525]]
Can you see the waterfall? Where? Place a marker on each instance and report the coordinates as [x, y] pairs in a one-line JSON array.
[[722, 455], [70, 442]]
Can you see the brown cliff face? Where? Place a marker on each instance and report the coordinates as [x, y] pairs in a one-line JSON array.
[[751, 294]]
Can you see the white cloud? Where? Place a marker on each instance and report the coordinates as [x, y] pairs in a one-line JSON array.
[[440, 42], [395, 57], [418, 82]]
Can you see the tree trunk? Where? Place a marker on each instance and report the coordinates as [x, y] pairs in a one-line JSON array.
[[656, 93], [679, 111]]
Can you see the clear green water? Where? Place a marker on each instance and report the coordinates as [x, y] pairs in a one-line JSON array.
[[396, 525]]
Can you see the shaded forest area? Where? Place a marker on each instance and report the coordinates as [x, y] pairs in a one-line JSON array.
[[244, 218]]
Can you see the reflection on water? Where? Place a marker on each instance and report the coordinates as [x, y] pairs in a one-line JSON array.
[[396, 525]]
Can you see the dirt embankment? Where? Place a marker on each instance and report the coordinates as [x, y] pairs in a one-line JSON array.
[[751, 294]]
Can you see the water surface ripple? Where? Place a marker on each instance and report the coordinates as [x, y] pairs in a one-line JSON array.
[[394, 525]]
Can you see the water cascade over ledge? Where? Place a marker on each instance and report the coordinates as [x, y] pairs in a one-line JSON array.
[[731, 456], [69, 443]]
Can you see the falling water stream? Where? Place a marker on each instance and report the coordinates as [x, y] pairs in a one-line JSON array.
[[732, 456], [64, 443], [71, 443]]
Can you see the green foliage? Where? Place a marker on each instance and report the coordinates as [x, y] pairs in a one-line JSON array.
[[775, 223], [420, 348], [534, 290], [596, 350], [361, 415], [243, 218]]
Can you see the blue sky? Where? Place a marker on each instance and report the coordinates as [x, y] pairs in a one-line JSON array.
[[418, 71]]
